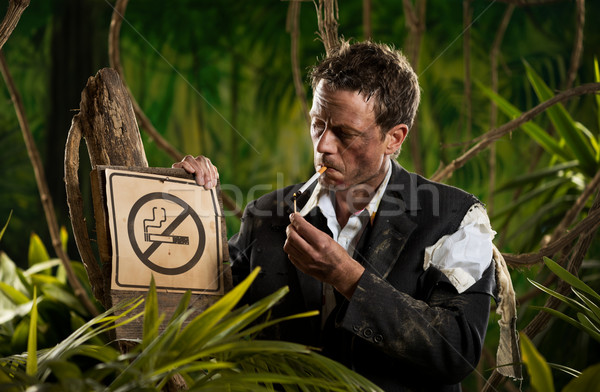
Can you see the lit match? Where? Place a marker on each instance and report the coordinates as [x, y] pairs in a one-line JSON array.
[[308, 184]]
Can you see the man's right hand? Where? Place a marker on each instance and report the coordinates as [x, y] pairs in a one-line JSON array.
[[205, 173]]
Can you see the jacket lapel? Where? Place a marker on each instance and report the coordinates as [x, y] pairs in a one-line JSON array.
[[311, 288], [380, 247]]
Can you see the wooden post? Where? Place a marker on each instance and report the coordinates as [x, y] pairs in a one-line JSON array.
[[107, 122]]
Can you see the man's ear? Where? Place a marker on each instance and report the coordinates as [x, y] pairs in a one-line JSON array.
[[395, 137]]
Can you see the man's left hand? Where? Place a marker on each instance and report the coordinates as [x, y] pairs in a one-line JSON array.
[[318, 255]]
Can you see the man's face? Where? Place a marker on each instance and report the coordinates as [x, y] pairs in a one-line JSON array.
[[347, 140]]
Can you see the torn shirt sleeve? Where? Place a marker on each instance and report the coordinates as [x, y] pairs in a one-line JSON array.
[[464, 255]]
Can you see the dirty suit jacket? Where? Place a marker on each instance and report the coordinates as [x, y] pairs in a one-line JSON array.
[[405, 328]]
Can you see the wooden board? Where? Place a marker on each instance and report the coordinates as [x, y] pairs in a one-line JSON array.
[[169, 294]]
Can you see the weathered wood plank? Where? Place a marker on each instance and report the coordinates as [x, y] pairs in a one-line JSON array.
[[107, 123]]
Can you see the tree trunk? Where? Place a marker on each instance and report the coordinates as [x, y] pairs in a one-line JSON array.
[[107, 122]]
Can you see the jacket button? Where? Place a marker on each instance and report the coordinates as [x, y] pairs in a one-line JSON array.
[[356, 328], [368, 332], [378, 338]]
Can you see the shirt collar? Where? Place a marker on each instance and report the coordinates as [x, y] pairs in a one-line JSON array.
[[324, 200]]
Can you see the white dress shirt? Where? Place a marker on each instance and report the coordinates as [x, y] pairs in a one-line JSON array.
[[462, 256]]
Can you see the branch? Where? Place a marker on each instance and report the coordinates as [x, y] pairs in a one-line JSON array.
[[588, 224], [411, 17], [327, 16], [46, 198], [294, 29], [75, 203], [13, 14], [542, 318], [115, 62], [114, 55], [528, 2], [578, 44], [592, 186], [367, 29], [495, 134], [581, 248]]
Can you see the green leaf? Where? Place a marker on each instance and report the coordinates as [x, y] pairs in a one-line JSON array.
[[597, 78], [37, 250], [151, 318], [39, 280], [5, 225], [17, 297], [564, 125], [58, 294], [10, 279], [590, 304], [21, 333], [32, 338], [589, 380], [545, 173], [42, 266], [95, 327], [64, 370], [64, 238], [16, 313], [595, 335], [591, 138], [570, 278], [585, 321], [198, 329], [101, 353], [7, 380], [536, 132], [537, 367], [516, 204], [182, 306], [572, 303], [565, 369]]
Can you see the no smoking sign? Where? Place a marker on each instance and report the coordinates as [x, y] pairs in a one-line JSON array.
[[164, 227]]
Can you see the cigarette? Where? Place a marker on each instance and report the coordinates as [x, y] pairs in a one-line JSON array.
[[308, 184]]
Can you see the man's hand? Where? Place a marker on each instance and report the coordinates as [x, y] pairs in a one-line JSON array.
[[205, 173], [315, 253]]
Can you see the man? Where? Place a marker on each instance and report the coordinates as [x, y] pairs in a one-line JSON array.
[[400, 267]]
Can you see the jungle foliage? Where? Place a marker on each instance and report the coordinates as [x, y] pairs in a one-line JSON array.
[[216, 78]]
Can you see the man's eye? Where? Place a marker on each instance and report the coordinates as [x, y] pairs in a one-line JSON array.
[[343, 134], [318, 128]]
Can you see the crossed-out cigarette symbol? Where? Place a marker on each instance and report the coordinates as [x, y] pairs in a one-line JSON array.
[[151, 230]]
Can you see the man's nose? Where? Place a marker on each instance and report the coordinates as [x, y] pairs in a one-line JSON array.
[[327, 143]]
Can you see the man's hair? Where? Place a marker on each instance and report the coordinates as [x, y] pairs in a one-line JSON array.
[[378, 71]]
